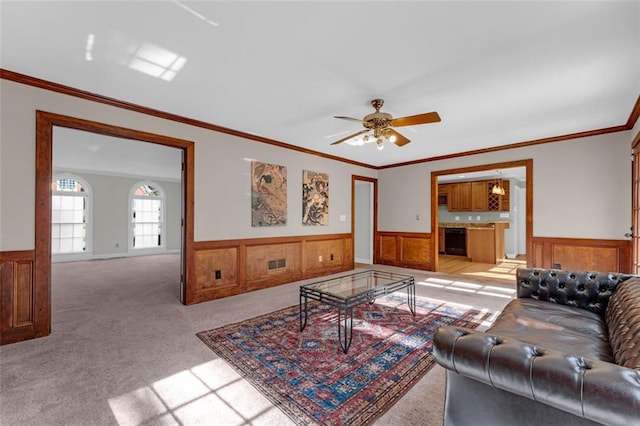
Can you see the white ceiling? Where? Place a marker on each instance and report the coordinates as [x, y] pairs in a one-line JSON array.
[[517, 173], [79, 151], [497, 72]]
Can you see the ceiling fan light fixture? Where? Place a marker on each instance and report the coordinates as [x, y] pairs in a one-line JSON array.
[[381, 125]]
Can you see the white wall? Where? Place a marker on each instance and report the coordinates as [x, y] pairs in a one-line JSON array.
[[222, 170], [403, 196], [581, 188]]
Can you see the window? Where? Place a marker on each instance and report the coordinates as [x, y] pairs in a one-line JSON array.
[[147, 216], [69, 214]]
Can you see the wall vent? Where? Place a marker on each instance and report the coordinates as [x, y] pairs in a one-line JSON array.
[[277, 264]]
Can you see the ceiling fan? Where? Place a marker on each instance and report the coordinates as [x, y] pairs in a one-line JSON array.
[[379, 125]]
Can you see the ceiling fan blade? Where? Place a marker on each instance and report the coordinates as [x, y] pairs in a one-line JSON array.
[[412, 120], [346, 138], [342, 117], [400, 140]]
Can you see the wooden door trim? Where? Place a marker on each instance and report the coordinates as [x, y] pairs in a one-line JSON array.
[[373, 181], [44, 173], [527, 164], [635, 202]]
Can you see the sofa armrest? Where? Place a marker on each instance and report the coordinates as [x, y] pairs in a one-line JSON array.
[[586, 290], [596, 390]]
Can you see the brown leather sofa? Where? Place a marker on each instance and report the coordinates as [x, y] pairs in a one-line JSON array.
[[566, 351]]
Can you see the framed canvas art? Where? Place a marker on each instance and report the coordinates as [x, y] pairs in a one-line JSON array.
[[268, 194], [315, 198]]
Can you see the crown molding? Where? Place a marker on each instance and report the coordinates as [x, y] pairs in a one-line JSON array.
[[516, 145], [71, 91]]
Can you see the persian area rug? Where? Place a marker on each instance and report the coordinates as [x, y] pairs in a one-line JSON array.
[[307, 375]]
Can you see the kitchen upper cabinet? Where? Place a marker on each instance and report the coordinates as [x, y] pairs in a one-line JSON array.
[[498, 202], [479, 198], [443, 194], [459, 199], [504, 200], [473, 196]]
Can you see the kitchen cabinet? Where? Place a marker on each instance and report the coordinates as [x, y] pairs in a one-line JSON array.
[[498, 202], [459, 197], [479, 196], [486, 244], [443, 194], [475, 196], [440, 239]]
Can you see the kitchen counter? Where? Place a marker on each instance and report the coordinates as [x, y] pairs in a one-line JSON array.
[[484, 241], [493, 224]]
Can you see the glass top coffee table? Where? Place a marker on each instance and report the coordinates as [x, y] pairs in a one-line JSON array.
[[349, 291]]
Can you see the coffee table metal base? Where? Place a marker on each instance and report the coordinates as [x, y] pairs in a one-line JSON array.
[[345, 305]]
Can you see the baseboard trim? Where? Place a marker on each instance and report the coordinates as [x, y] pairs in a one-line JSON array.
[[103, 256]]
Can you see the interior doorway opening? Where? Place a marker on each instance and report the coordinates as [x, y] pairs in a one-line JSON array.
[[136, 193], [517, 219], [41, 289], [364, 219]]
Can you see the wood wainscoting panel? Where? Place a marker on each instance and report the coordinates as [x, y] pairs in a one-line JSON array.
[[323, 254], [596, 258], [581, 254], [266, 261], [406, 249], [388, 248], [538, 254], [23, 291], [18, 307], [252, 264], [216, 268], [416, 250]]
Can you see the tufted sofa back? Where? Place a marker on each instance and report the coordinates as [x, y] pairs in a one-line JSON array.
[[623, 324], [586, 290]]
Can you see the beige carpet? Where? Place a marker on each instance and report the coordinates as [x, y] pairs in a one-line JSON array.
[[123, 351]]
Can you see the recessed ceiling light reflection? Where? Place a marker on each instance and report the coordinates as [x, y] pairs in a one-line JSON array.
[[157, 61], [88, 51]]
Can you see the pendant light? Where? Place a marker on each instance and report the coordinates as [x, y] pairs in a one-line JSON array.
[[498, 187]]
